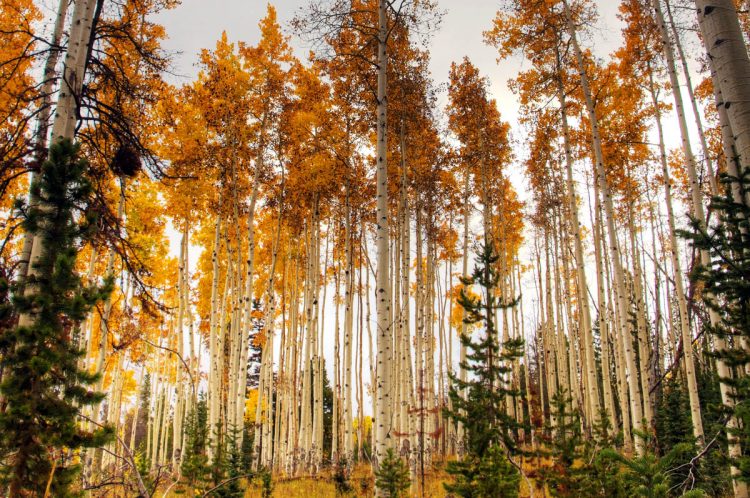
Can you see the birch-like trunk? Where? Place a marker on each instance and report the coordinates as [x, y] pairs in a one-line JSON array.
[[687, 339], [384, 339], [592, 385], [214, 375], [45, 112], [727, 53], [614, 247]]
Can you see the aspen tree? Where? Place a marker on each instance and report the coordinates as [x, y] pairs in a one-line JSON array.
[[729, 60], [45, 111], [383, 417], [687, 339], [729, 64], [625, 336], [592, 395], [66, 111]]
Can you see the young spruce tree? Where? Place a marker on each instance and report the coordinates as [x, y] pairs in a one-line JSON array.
[[567, 476], [43, 386], [392, 477], [725, 289], [479, 402]]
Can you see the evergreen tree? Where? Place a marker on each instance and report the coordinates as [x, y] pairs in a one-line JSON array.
[[392, 476], [672, 414], [234, 468], [725, 288], [490, 433], [568, 475], [227, 467], [648, 475], [144, 399], [266, 482], [195, 468], [42, 384]]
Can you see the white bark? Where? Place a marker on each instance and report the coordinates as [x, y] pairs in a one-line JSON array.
[[384, 332], [614, 247]]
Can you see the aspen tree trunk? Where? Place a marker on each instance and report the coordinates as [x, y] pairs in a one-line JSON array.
[[263, 434], [214, 375], [235, 340], [606, 359], [348, 328], [305, 425], [502, 251], [561, 348], [577, 388], [383, 404], [223, 332], [397, 371], [644, 350], [158, 408], [443, 365], [673, 243], [136, 411], [693, 102], [419, 351], [404, 358], [592, 385], [45, 112], [359, 358], [526, 362], [267, 396], [317, 360], [729, 146], [625, 336], [545, 384], [464, 326], [337, 390], [88, 325], [553, 329], [430, 347], [288, 369], [727, 53], [293, 428], [656, 372], [150, 415], [177, 419], [66, 112], [161, 457], [450, 426], [248, 301], [687, 340], [371, 357], [547, 329], [730, 71], [605, 305], [282, 380], [194, 363], [407, 394]]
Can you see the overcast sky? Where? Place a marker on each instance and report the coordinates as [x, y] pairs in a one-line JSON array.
[[197, 24]]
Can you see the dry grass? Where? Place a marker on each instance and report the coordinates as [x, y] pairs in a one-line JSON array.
[[362, 482]]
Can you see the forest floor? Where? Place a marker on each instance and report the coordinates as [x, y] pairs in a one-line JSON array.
[[362, 484]]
